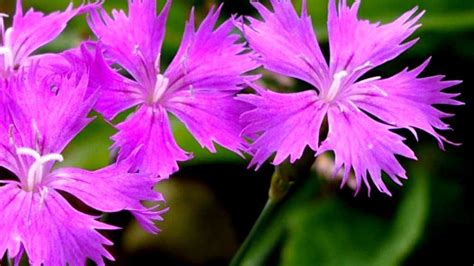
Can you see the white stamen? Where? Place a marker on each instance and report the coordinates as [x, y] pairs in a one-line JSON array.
[[341, 107], [36, 133], [379, 90], [369, 80], [364, 66], [336, 85], [354, 106], [28, 151], [7, 56], [157, 62], [160, 87], [6, 50], [35, 173]]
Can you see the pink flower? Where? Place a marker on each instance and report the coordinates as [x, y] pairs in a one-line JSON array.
[[39, 116], [30, 31], [361, 113], [198, 87]]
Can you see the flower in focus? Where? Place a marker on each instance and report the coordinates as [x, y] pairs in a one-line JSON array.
[[198, 87], [38, 119], [30, 31], [361, 113]]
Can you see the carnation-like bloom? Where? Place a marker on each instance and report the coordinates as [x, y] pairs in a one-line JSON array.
[[361, 113], [30, 31], [198, 87], [38, 118]]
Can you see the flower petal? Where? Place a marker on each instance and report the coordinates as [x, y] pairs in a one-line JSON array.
[[49, 229], [112, 189], [204, 76], [133, 41], [364, 145], [283, 123], [359, 45], [209, 60], [116, 93], [49, 113], [7, 155], [33, 29], [406, 101], [148, 130], [286, 43], [210, 117]]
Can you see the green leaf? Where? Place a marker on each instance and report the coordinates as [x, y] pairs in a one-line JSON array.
[[409, 222], [90, 149], [332, 233]]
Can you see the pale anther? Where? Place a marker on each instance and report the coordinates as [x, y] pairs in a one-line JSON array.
[[160, 87], [35, 173], [336, 85]]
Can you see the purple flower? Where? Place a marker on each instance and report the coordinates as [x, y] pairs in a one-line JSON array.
[[361, 113], [198, 87], [38, 118], [30, 31]]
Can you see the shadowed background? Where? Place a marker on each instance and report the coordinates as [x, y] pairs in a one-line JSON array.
[[214, 199]]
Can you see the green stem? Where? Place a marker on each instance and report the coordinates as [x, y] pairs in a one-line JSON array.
[[283, 179], [257, 229]]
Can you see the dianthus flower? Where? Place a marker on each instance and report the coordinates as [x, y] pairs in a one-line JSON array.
[[361, 112], [198, 87], [38, 118], [30, 31]]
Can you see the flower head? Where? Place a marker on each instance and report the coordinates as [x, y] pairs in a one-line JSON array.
[[198, 87], [38, 118], [30, 31], [361, 113]]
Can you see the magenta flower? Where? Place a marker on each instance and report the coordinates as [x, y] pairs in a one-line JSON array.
[[198, 87], [37, 120], [30, 31], [361, 114]]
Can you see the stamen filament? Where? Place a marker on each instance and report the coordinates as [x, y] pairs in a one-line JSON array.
[[35, 173], [160, 87], [336, 85], [5, 49]]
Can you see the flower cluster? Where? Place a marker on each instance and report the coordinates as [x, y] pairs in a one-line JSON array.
[[46, 99]]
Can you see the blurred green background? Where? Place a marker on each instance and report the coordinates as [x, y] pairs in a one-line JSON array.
[[214, 200]]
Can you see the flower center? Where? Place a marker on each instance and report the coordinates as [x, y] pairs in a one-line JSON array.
[[160, 87], [336, 85], [35, 173]]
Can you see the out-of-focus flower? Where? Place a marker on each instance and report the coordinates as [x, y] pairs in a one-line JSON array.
[[361, 113], [198, 87], [38, 118], [30, 31]]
